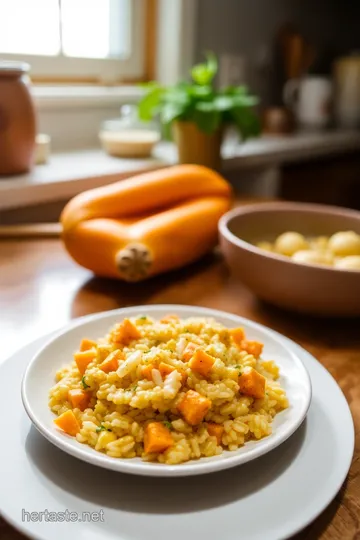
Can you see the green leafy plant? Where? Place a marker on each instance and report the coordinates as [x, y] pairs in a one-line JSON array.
[[198, 101]]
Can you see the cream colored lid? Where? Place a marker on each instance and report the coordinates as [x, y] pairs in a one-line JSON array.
[[13, 69]]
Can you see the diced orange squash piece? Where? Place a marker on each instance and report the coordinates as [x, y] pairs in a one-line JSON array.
[[146, 371], [67, 422], [252, 383], [165, 370], [87, 344], [125, 333], [189, 351], [79, 399], [157, 438], [194, 407], [111, 362], [252, 347], [83, 359], [170, 318], [237, 335], [215, 430], [201, 362]]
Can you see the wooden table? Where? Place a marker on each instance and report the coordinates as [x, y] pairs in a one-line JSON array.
[[42, 289]]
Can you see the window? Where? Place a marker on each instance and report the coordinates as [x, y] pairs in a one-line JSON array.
[[102, 39]]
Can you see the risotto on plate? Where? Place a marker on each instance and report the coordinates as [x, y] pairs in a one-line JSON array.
[[168, 391]]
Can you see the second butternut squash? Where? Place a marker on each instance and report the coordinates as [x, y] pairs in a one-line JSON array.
[[147, 225]]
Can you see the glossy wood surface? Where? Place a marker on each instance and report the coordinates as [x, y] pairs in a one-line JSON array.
[[41, 289]]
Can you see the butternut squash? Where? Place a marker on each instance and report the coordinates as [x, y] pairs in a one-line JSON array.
[[146, 225], [87, 344], [83, 359], [79, 398], [125, 332], [189, 351], [165, 370], [252, 347], [146, 371], [238, 335], [68, 422], [215, 430], [201, 362], [252, 383], [111, 362], [157, 438], [194, 407]]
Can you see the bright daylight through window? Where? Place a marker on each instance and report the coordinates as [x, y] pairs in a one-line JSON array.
[[73, 37]]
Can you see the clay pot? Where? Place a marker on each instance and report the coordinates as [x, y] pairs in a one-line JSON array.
[[17, 119], [197, 147]]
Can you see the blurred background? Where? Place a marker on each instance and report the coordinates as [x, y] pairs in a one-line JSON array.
[[86, 62]]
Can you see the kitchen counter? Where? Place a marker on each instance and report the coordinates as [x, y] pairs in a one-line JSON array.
[[67, 174]]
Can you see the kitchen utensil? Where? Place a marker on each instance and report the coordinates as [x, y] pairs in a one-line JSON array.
[[297, 54]]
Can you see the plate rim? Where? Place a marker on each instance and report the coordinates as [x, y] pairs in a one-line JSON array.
[[191, 468]]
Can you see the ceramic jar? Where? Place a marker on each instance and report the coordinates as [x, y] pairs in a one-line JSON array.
[[17, 119]]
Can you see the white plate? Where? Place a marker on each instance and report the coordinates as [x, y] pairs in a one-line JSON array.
[[271, 498], [39, 377]]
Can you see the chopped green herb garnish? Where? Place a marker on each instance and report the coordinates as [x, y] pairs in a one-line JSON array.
[[168, 424], [239, 368], [143, 318], [134, 388], [102, 428], [187, 331], [85, 386]]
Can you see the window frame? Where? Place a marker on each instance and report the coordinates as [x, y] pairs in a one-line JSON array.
[[104, 70]]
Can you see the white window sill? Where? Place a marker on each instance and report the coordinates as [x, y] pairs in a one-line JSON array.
[[75, 96], [67, 174]]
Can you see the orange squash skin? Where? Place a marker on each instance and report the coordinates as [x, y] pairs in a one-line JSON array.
[[146, 225]]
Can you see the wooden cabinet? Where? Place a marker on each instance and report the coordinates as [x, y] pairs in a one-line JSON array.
[[332, 180]]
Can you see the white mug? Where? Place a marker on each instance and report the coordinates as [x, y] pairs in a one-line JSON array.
[[310, 98]]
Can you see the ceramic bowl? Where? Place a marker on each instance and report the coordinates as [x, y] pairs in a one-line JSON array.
[[313, 289]]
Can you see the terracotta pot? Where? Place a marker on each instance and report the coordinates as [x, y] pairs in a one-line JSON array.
[[197, 147], [17, 119]]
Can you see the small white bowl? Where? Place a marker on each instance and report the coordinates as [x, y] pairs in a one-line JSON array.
[[40, 376], [136, 143]]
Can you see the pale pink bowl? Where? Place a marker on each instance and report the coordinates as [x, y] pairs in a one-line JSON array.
[[314, 289]]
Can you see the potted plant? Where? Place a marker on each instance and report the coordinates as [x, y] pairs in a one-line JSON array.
[[199, 113]]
